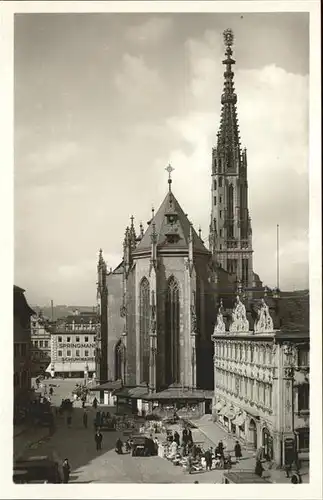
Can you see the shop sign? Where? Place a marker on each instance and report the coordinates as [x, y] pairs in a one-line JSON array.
[[289, 450]]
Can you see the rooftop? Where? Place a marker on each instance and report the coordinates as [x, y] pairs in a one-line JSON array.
[[159, 224]]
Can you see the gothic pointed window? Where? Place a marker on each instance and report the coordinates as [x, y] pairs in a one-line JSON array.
[[172, 360], [230, 211], [118, 361], [144, 330]]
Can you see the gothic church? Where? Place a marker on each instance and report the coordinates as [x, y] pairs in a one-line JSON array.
[[158, 307]]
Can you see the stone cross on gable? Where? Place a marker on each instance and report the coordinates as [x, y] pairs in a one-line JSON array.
[[169, 169]]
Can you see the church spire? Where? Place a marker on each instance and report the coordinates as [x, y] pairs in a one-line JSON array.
[[228, 138], [230, 237]]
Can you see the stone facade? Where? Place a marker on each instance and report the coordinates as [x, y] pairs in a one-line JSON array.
[[230, 237], [21, 347], [40, 350], [73, 346], [261, 382], [161, 305]]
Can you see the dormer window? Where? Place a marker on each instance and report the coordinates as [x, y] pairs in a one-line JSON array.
[[171, 219], [172, 238]]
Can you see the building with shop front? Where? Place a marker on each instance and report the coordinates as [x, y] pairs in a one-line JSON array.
[[40, 350], [73, 345], [21, 348], [261, 381]]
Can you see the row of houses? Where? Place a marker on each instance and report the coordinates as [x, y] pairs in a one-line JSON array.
[[64, 348]]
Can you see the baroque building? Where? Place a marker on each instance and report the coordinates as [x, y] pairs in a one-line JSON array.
[[73, 346], [261, 381], [230, 238]]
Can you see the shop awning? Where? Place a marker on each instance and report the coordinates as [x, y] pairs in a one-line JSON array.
[[239, 420], [223, 410], [230, 414], [132, 392], [112, 385], [218, 405], [227, 412], [73, 366], [174, 393]]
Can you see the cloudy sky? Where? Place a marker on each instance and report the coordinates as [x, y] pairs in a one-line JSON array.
[[104, 101]]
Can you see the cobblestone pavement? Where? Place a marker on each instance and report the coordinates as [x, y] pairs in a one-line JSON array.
[[212, 433], [105, 466]]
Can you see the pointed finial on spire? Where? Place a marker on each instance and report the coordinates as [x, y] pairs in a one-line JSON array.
[[200, 232], [152, 212], [141, 229], [228, 37], [169, 169], [100, 256], [132, 219]]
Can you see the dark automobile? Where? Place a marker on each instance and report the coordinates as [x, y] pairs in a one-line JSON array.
[[37, 469], [242, 477], [66, 405], [142, 446]]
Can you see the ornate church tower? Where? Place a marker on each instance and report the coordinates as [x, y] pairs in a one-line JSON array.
[[230, 228]]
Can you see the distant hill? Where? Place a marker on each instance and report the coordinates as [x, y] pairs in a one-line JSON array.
[[61, 311]]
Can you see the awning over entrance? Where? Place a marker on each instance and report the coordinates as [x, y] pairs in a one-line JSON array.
[[227, 412], [73, 366], [239, 420], [113, 385], [175, 393], [132, 392]]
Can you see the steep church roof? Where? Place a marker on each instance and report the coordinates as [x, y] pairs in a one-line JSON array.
[[161, 227]]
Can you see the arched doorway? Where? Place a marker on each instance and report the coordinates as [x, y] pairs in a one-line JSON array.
[[267, 442], [118, 361], [253, 433]]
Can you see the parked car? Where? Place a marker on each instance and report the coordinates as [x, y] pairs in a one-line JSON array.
[[32, 468], [242, 477], [142, 446]]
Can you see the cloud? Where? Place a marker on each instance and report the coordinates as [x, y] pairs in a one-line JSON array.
[[138, 84], [55, 155], [150, 32], [157, 100]]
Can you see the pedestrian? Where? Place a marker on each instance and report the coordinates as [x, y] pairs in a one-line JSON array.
[[95, 403], [237, 451], [221, 448], [208, 459], [184, 436], [260, 458], [189, 464], [98, 440], [119, 446], [85, 419], [176, 438], [66, 470]]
